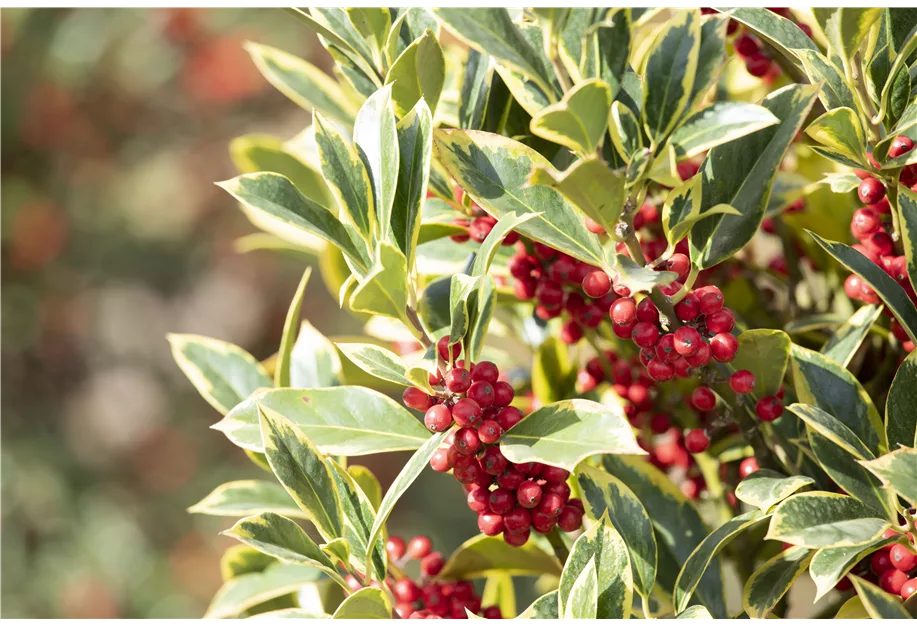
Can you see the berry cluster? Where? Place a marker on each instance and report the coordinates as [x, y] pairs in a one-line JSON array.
[[870, 226], [509, 498], [893, 568], [748, 48]]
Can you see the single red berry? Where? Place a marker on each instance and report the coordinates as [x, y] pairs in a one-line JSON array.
[[864, 223], [852, 286], [645, 334], [440, 460], [665, 348], [549, 293], [524, 288], [900, 145], [493, 612], [679, 264], [724, 347], [502, 501], [758, 65], [623, 311], [466, 412], [438, 418], [503, 393], [406, 591], [880, 561], [596, 284], [570, 332], [909, 588], [570, 519], [594, 227], [553, 474], [467, 441], [518, 519], [701, 358], [746, 45], [769, 408], [880, 244], [711, 301], [748, 466], [482, 393], [870, 191], [521, 266], [543, 523], [742, 382], [395, 547], [490, 524], [493, 462], [489, 431], [405, 610], [686, 341], [551, 504], [697, 441], [577, 503], [688, 309], [443, 347], [509, 417], [562, 270], [517, 538], [485, 371], [703, 398], [528, 494], [478, 500], [660, 423], [892, 581], [480, 228], [432, 564], [419, 547], [511, 479], [458, 380], [722, 321], [659, 370], [623, 331], [682, 368], [647, 312], [417, 399], [902, 558]]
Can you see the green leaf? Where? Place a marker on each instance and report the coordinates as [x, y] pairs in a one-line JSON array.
[[700, 559], [765, 488], [589, 185], [695, 612], [852, 609], [272, 203], [829, 566], [419, 72], [409, 472], [843, 344], [364, 604], [846, 27], [878, 603], [678, 526], [907, 228], [484, 556], [284, 540], [302, 82], [240, 560], [564, 433], [670, 70], [247, 497], [624, 130], [770, 582], [263, 153], [386, 365], [223, 373], [493, 171], [834, 92], [376, 138], [346, 175], [303, 471], [288, 338], [415, 142], [359, 515], [638, 278], [291, 612], [246, 591], [499, 591], [840, 131], [740, 174], [824, 384], [345, 420], [488, 250], [900, 417], [604, 494], [368, 483], [461, 304], [717, 124], [544, 607], [606, 47], [831, 428], [553, 372], [491, 31], [823, 520], [579, 120], [600, 548], [898, 471], [681, 211], [383, 291], [783, 33], [340, 32], [338, 549], [408, 27], [314, 362], [582, 598], [475, 90], [372, 23], [886, 287], [765, 352], [711, 57]]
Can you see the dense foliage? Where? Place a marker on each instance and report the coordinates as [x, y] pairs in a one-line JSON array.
[[610, 285]]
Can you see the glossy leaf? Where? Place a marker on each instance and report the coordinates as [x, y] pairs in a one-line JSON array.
[[711, 57], [638, 278], [376, 138], [579, 120], [717, 124], [415, 143], [408, 26], [835, 92], [695, 612], [682, 210], [740, 174], [582, 598], [345, 420], [314, 362], [824, 384], [784, 33], [624, 130], [831, 428], [493, 171], [606, 47], [846, 27], [829, 566], [483, 556], [409, 472], [771, 581], [544, 607], [888, 290], [824, 519], [245, 498], [907, 228], [368, 483], [878, 602], [373, 23], [669, 75], [386, 365], [223, 373], [766, 353], [358, 515], [699, 560], [419, 72], [900, 417], [676, 522], [383, 291], [589, 185], [239, 559], [564, 433], [898, 471], [288, 338], [488, 250], [852, 609], [765, 488], [475, 90], [245, 591], [602, 548], [843, 343], [840, 131], [366, 603], [603, 493]]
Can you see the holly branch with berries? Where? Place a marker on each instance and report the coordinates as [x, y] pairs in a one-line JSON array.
[[602, 259]]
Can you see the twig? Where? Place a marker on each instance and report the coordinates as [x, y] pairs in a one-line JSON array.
[[557, 543]]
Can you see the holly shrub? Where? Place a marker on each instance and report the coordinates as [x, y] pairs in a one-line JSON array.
[[603, 259]]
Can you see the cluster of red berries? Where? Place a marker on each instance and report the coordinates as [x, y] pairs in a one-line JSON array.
[[870, 226], [748, 48], [509, 498], [479, 226], [893, 568]]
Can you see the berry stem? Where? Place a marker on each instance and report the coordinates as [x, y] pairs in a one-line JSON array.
[[659, 299], [689, 283], [557, 543]]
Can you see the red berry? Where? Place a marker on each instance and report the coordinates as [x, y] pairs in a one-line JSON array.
[[417, 399], [880, 244], [466, 412], [596, 284], [892, 581], [482, 393], [701, 358], [679, 264], [490, 524], [748, 466], [489, 431], [438, 418], [880, 561], [502, 501], [419, 547], [594, 227], [660, 423], [703, 399], [899, 146], [528, 494], [769, 408], [478, 500], [746, 45], [711, 300], [406, 591], [902, 558], [524, 288], [870, 191], [864, 223], [686, 341], [722, 321], [742, 382], [517, 538], [647, 312], [553, 474], [623, 311], [697, 441], [503, 393], [405, 610], [432, 564], [688, 309], [480, 228], [493, 612], [570, 332], [570, 519], [517, 520], [682, 368], [852, 286], [440, 460], [493, 462], [485, 371], [443, 347], [509, 417], [511, 479], [724, 347], [645, 334], [623, 331], [521, 266], [543, 523], [395, 547], [549, 293], [467, 441], [659, 370], [559, 488], [909, 588], [758, 65]]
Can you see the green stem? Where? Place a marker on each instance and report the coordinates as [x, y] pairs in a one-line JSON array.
[[559, 70], [557, 543], [678, 296], [645, 605]]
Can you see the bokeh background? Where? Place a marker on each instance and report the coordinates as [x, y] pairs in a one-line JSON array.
[[115, 123]]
